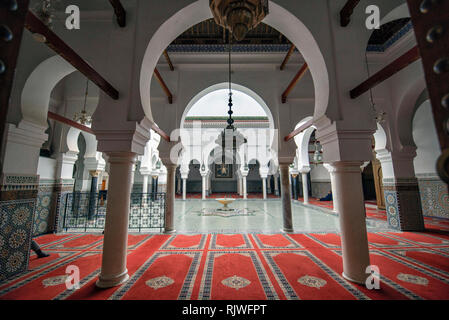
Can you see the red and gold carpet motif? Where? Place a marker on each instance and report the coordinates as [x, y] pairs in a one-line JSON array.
[[238, 267]]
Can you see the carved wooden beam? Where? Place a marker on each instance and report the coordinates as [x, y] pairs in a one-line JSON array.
[[167, 57], [347, 11], [164, 86], [287, 57], [295, 80], [160, 132], [120, 12], [431, 25], [400, 63], [69, 122], [36, 26], [293, 134], [12, 17]]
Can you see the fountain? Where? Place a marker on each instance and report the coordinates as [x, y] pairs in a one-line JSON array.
[[225, 202], [225, 211]]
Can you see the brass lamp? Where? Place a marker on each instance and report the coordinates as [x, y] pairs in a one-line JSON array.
[[239, 16]]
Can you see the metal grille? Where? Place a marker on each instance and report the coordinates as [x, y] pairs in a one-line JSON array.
[[86, 212]]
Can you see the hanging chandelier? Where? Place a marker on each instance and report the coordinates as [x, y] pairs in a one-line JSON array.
[[317, 156], [239, 16], [230, 138], [83, 117]]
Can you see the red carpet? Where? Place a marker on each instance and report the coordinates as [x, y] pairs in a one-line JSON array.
[[241, 266]]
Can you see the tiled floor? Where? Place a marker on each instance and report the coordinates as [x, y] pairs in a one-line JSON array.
[[263, 216]]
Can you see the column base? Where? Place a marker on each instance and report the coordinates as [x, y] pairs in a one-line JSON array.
[[352, 280], [109, 282], [169, 231], [283, 230]]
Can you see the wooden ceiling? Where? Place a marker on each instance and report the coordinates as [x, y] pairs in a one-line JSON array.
[[386, 31], [209, 33]]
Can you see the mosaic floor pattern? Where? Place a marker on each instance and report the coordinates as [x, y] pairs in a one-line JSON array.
[[238, 266]]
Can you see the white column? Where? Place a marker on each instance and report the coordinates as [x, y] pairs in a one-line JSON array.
[[184, 188], [208, 184], [269, 191], [203, 184], [304, 170], [245, 191], [305, 188], [170, 198], [113, 266], [351, 206], [276, 184], [184, 176], [145, 184], [333, 186], [239, 185], [264, 188], [286, 198]]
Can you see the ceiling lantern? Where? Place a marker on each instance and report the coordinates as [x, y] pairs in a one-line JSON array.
[[239, 16]]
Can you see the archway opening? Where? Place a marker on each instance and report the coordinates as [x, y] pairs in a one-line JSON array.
[[279, 18], [202, 124]]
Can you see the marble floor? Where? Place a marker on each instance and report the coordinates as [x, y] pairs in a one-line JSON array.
[[261, 216]]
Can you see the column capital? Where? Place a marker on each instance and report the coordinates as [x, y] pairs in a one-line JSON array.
[[304, 170], [284, 165], [244, 173], [94, 164], [294, 173], [26, 133], [121, 157], [95, 173], [341, 144], [130, 136], [345, 166], [68, 157], [145, 172], [169, 166]]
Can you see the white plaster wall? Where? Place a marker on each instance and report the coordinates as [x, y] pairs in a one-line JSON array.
[[426, 139], [319, 173], [46, 168]]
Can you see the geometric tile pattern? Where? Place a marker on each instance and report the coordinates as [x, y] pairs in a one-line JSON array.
[[403, 204], [16, 221], [434, 198], [44, 201]]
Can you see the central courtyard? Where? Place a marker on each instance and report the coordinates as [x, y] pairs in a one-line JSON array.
[[257, 216]]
